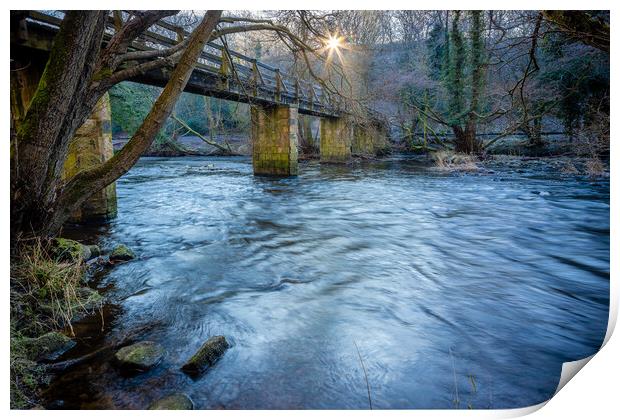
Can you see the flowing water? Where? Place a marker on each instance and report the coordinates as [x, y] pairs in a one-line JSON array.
[[452, 290]]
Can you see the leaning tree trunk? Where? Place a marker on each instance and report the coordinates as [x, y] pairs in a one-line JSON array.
[[42, 137], [76, 76], [88, 182]]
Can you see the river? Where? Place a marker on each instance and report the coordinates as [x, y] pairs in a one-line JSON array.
[[454, 290]]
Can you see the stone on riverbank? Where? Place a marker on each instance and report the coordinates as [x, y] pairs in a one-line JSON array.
[[206, 355], [140, 356], [49, 346], [95, 251], [70, 250], [122, 253], [173, 402]]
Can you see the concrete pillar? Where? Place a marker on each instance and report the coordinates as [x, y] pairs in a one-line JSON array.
[[274, 140], [92, 145], [336, 136]]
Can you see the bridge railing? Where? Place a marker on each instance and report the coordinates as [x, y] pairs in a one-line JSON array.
[[237, 72]]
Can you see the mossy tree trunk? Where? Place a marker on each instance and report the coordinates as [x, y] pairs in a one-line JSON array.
[[464, 118], [471, 143], [42, 137], [77, 74]]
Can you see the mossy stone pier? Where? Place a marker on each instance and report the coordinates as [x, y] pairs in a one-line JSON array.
[[336, 137], [369, 138], [91, 145], [274, 140]]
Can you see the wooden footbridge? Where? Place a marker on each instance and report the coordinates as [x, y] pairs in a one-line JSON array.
[[220, 72], [275, 98]]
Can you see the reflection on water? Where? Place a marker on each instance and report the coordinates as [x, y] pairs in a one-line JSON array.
[[481, 285]]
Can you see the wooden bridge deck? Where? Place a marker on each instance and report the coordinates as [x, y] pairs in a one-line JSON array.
[[220, 72]]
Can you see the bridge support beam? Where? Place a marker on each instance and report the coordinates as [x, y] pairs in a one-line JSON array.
[[92, 145], [274, 140], [336, 136]]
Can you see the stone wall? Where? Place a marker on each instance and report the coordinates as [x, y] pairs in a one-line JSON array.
[[274, 140], [336, 136], [92, 145]]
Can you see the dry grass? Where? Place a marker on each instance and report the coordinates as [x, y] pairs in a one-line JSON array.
[[359, 355], [595, 167], [46, 294], [569, 168], [449, 161], [47, 287], [592, 167]]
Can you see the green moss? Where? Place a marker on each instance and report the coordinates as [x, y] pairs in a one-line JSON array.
[[46, 346], [102, 74], [122, 253], [36, 309], [140, 356], [206, 355], [69, 250], [26, 375]]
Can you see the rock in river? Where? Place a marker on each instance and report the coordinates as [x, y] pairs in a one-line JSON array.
[[173, 402], [141, 356], [206, 355], [122, 253]]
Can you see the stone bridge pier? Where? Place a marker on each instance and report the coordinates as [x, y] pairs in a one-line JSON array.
[[336, 139], [274, 140], [369, 138], [91, 145]]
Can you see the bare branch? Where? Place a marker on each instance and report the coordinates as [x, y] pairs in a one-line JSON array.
[[145, 55]]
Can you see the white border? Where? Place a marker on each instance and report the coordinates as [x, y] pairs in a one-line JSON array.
[[593, 394]]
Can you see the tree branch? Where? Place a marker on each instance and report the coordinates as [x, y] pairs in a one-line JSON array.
[[139, 69], [200, 136], [581, 26], [128, 33], [145, 55]]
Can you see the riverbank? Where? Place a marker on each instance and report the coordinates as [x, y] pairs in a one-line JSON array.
[[567, 165], [49, 294]]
